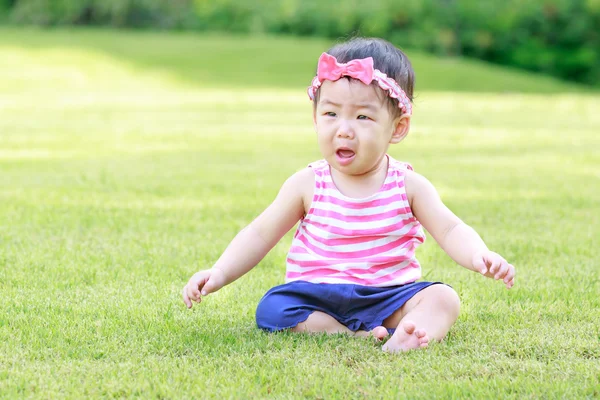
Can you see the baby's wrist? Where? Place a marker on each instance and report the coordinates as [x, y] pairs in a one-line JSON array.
[[219, 270]]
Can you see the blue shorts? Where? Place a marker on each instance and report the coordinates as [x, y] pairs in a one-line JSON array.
[[354, 306]]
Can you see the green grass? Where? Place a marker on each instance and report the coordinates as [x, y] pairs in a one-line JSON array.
[[126, 164]]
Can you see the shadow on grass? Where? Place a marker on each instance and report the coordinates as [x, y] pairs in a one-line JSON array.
[[223, 60]]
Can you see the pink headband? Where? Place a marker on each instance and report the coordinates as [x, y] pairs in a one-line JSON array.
[[329, 69]]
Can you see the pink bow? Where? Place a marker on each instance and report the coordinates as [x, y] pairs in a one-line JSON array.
[[329, 69]]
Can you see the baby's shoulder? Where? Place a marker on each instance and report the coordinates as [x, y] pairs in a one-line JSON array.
[[413, 178], [303, 183], [416, 185], [305, 175]]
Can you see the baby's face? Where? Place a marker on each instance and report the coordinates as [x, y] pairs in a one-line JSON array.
[[354, 126]]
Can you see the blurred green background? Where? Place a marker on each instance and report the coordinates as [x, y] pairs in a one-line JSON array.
[[556, 37]]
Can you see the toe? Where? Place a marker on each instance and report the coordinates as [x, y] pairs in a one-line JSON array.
[[380, 332], [409, 327], [420, 333]]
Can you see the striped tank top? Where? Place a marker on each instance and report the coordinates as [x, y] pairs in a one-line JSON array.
[[369, 241]]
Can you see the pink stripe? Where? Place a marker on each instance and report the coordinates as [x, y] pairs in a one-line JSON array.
[[324, 185], [383, 262], [322, 272], [346, 204], [298, 250], [348, 240], [330, 185], [355, 218], [380, 230], [385, 278], [318, 173], [352, 254], [396, 258]]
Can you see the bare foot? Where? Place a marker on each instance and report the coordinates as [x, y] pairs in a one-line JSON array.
[[379, 333], [406, 337]]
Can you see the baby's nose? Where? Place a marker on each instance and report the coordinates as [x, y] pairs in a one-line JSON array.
[[345, 130]]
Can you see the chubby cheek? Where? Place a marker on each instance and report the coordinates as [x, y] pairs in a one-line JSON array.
[[325, 144], [371, 145]]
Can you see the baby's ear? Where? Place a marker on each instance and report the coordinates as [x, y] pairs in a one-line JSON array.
[[401, 128]]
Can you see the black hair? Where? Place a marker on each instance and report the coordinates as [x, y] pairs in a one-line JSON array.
[[386, 57]]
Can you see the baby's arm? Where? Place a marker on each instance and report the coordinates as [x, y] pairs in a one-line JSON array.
[[253, 242], [456, 238]]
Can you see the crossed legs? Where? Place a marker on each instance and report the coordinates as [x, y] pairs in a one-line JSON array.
[[427, 315]]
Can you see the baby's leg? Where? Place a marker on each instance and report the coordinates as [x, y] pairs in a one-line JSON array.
[[322, 322], [428, 315]]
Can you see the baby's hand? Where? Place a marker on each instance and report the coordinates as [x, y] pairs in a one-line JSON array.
[[493, 265], [202, 283]]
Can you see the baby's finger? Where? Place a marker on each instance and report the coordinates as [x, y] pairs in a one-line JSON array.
[[502, 270], [480, 265], [186, 298], [510, 283], [197, 288], [190, 292], [196, 293], [510, 274], [189, 289], [496, 263]]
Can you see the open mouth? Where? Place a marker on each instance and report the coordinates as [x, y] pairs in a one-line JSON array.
[[345, 153], [344, 156]]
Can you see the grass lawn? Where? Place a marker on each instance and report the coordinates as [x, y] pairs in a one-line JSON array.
[[128, 161]]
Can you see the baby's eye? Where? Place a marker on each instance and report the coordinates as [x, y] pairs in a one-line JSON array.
[[329, 114], [364, 117]]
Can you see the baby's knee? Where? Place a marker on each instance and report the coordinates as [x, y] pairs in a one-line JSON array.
[[446, 298], [270, 313]]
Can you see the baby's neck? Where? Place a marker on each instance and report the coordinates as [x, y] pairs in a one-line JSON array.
[[363, 185]]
